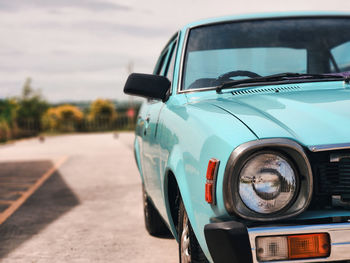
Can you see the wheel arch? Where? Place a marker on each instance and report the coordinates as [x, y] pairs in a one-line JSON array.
[[172, 195], [176, 181]]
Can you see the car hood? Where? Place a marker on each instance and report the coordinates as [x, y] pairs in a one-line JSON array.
[[310, 117]]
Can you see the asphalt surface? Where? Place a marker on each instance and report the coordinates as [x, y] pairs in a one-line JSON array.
[[88, 210]]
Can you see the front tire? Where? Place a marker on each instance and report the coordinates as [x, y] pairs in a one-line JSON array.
[[154, 223], [189, 248]]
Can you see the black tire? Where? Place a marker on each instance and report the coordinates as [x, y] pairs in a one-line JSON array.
[[193, 253], [153, 221]]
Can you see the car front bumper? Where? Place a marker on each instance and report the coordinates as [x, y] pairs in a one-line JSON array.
[[233, 242]]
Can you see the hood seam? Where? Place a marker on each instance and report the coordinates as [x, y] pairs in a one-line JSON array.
[[238, 119]]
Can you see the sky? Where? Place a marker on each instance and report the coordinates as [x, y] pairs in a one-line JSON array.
[[77, 50]]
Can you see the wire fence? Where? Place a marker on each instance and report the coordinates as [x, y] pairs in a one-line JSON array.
[[30, 127]]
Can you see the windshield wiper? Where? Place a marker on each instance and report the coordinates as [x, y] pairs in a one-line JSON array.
[[278, 77]]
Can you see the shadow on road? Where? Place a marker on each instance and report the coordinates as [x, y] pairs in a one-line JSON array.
[[166, 236], [53, 199]]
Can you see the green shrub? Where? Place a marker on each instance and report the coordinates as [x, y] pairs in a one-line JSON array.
[[5, 132], [63, 118], [102, 109]]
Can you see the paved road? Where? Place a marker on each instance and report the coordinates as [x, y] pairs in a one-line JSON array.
[[89, 210]]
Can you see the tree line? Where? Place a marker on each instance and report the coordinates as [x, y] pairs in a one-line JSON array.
[[30, 114]]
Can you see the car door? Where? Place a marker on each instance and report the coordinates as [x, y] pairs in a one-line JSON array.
[[151, 147], [142, 125]]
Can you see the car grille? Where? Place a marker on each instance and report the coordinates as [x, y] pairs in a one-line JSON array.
[[334, 178], [330, 178]]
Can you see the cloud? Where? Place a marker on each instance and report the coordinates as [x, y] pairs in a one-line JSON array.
[[67, 85], [103, 27], [113, 27], [61, 61], [93, 5]]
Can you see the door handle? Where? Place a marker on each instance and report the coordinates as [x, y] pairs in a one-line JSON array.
[[146, 125]]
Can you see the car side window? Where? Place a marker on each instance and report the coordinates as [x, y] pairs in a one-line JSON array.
[[341, 56], [170, 69], [161, 63], [166, 61]]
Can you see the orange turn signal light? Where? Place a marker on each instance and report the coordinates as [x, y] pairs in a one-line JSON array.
[[309, 246], [209, 185], [301, 246]]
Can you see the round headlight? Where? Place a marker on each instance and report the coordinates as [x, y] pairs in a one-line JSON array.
[[267, 183]]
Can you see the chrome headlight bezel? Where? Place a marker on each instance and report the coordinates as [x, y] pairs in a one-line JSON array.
[[291, 151]]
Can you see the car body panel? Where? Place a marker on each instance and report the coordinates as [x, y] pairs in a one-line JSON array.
[[186, 149], [151, 152], [274, 114]]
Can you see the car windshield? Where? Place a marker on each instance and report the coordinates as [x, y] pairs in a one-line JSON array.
[[219, 53]]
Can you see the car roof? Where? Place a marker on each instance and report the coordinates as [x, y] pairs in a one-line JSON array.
[[263, 16]]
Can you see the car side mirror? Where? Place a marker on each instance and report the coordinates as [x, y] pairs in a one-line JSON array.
[[148, 86]]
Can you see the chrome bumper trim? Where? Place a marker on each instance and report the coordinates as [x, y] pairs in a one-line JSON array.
[[339, 235]]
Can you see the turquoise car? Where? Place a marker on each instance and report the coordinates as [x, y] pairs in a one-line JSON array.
[[243, 144]]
